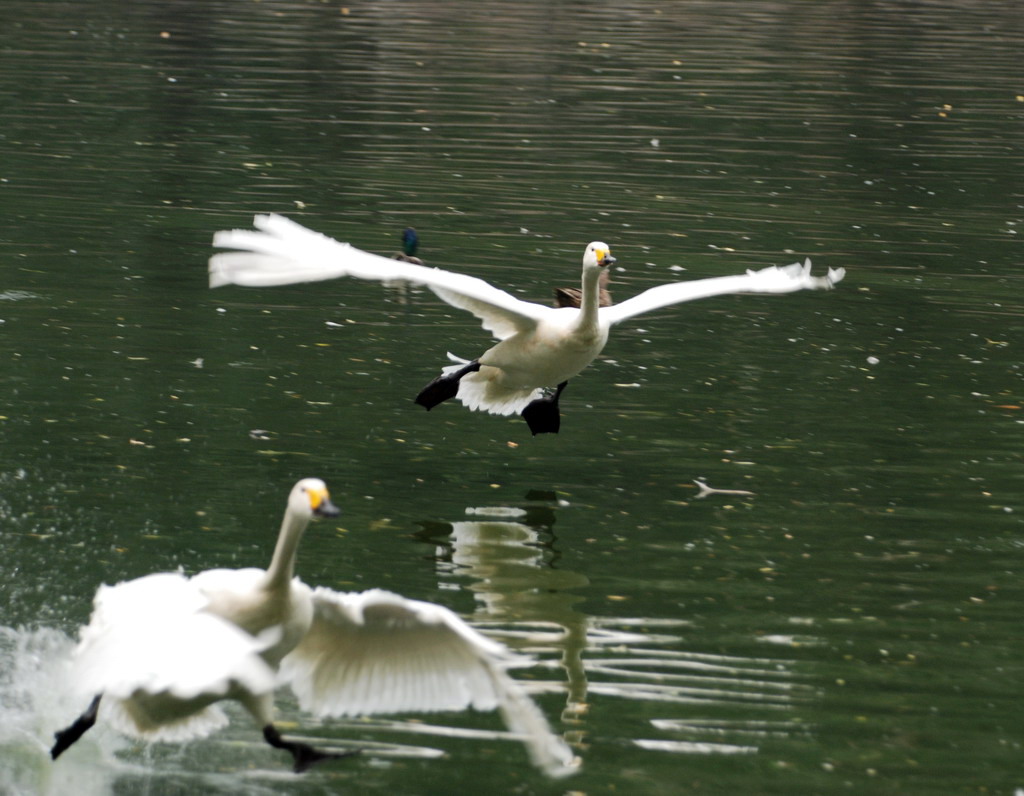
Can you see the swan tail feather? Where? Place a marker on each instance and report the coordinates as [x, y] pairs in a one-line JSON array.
[[483, 392]]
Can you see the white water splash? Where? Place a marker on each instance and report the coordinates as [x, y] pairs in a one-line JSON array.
[[35, 701]]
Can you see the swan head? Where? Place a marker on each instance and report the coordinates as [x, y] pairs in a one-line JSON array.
[[310, 498], [597, 255]]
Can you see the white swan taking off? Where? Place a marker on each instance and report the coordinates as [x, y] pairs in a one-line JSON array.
[[162, 650], [539, 347]]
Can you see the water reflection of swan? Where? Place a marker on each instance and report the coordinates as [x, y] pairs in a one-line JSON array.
[[715, 703], [539, 347], [508, 566], [164, 649]]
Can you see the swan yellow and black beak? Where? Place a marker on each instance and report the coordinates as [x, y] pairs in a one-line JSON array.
[[320, 503], [604, 257]]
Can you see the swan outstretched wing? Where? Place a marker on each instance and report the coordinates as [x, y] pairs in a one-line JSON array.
[[775, 279], [185, 657], [282, 252], [150, 642], [377, 652]]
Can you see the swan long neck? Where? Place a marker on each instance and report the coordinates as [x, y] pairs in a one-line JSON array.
[[590, 298], [282, 565]]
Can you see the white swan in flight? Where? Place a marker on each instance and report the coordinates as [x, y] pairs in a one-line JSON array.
[[539, 347], [160, 652]]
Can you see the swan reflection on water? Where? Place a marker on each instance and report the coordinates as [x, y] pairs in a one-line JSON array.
[[510, 561]]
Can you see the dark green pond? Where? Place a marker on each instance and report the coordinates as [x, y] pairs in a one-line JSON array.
[[853, 626]]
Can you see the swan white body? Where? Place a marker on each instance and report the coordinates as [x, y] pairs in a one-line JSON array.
[[138, 651], [538, 346], [163, 649]]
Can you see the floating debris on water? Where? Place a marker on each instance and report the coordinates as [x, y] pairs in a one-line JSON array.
[[706, 490]]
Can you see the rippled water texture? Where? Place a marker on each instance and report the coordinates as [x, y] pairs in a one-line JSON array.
[[847, 619]]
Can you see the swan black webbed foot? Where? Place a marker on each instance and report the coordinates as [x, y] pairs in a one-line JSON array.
[[542, 415], [76, 729], [303, 754], [444, 386]]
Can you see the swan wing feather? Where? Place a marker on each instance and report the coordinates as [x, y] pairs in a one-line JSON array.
[[377, 652], [282, 252], [142, 635], [774, 279]]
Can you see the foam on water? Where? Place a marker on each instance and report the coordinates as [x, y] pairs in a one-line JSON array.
[[35, 701]]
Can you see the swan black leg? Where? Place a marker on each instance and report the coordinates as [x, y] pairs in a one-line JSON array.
[[77, 729], [444, 386], [542, 414], [303, 754]]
